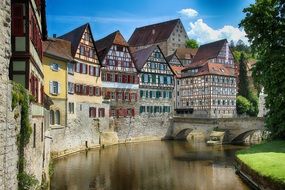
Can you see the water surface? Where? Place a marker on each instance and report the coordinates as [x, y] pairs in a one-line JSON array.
[[150, 166]]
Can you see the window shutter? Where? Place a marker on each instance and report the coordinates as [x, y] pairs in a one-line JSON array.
[[130, 97], [87, 90], [89, 68], [51, 87], [123, 95], [17, 20], [129, 79], [81, 68], [141, 93], [59, 88], [133, 112], [94, 91], [116, 77], [142, 78]]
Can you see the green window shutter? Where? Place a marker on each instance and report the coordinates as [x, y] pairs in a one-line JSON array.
[[141, 109], [164, 94], [157, 95], [142, 78], [150, 94], [170, 95], [141, 93], [153, 79], [146, 94]]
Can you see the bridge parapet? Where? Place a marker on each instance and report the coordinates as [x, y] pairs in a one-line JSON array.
[[233, 127]]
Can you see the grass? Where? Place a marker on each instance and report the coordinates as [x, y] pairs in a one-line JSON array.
[[267, 159]]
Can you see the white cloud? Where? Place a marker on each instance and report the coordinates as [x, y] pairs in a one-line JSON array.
[[188, 12], [204, 33]]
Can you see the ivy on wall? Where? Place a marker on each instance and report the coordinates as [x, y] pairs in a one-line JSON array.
[[20, 97]]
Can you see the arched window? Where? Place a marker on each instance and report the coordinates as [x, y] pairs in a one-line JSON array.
[[51, 117], [57, 117]]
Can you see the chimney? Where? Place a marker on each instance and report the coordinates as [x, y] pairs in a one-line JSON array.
[[54, 35]]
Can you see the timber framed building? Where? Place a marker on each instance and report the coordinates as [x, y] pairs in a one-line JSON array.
[[156, 82], [84, 85], [209, 83], [119, 75]]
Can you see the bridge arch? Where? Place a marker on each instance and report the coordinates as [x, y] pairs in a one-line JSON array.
[[182, 135], [240, 138]]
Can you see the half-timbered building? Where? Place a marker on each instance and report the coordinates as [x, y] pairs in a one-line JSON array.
[[176, 67], [119, 75], [84, 86], [209, 83], [156, 82], [28, 30]]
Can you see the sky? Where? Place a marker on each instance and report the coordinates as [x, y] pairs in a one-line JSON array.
[[204, 20]]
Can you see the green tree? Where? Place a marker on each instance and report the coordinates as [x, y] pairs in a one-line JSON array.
[[243, 105], [191, 43], [243, 86], [265, 27]]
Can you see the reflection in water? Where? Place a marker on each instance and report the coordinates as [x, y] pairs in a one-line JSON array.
[[147, 166]]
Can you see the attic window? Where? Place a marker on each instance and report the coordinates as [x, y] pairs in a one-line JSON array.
[[222, 70]]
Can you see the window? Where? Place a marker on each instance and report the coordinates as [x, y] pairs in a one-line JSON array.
[[51, 117], [91, 53], [91, 70], [70, 88], [54, 67], [42, 132], [54, 87], [101, 112], [84, 68], [34, 140], [97, 71], [70, 68], [78, 67], [92, 112], [97, 91], [71, 107], [142, 109], [57, 117], [82, 49]]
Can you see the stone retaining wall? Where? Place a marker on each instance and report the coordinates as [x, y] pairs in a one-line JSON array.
[[8, 125]]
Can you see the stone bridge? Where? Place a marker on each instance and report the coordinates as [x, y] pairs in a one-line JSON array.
[[236, 129]]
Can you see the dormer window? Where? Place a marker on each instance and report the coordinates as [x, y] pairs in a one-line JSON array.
[[54, 67]]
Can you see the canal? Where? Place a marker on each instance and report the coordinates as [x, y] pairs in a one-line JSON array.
[[154, 165]]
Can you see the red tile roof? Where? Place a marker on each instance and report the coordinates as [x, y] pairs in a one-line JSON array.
[[153, 34], [177, 70], [58, 47], [208, 68]]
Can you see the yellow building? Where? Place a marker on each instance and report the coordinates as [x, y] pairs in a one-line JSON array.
[[57, 56]]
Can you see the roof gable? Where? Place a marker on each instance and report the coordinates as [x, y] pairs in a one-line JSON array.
[[153, 34], [74, 37], [173, 60], [209, 51], [141, 56], [103, 45]]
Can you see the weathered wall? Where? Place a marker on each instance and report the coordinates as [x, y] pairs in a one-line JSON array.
[[142, 127], [8, 129], [34, 151], [81, 132]]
